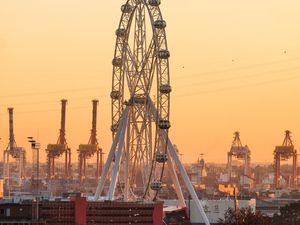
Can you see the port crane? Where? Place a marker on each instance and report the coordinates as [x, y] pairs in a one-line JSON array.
[[55, 151], [15, 152], [283, 153], [87, 151], [240, 152]]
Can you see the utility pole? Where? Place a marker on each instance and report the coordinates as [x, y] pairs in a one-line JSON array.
[[35, 146]]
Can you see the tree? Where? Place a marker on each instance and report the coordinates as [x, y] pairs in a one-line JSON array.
[[177, 217], [289, 214], [244, 217]]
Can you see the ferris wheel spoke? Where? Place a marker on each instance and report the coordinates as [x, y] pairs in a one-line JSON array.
[[150, 53], [130, 56], [145, 73], [130, 67], [137, 64], [140, 33]]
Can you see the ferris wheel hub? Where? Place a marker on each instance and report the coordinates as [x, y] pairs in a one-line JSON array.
[[137, 100]]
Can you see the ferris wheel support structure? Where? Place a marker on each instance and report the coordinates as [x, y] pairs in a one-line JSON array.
[[141, 150]]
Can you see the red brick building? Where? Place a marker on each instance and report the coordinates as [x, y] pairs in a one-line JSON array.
[[78, 211]]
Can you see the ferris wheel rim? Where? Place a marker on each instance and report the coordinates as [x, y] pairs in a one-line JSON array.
[[121, 100], [118, 79]]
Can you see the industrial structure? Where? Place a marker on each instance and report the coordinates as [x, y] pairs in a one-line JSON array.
[[141, 148], [54, 151], [35, 172], [87, 151], [283, 153], [77, 210], [239, 152], [17, 153], [198, 172]]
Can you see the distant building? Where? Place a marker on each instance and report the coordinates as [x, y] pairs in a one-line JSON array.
[[214, 209]]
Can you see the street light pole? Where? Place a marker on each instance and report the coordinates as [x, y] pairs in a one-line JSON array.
[[36, 147]]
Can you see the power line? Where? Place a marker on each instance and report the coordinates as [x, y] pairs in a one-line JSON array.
[[239, 68], [52, 101], [233, 88], [188, 76], [241, 77], [52, 110], [53, 92]]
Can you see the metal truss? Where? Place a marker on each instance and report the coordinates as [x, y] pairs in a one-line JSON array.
[[141, 148]]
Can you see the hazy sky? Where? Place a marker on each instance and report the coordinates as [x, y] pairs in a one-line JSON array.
[[235, 65]]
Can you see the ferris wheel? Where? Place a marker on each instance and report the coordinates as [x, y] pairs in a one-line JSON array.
[[142, 151]]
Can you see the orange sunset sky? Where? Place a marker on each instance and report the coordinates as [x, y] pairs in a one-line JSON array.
[[235, 65]]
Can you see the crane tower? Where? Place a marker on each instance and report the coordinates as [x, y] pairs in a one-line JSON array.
[[239, 152], [54, 151], [17, 153], [87, 151], [283, 153]]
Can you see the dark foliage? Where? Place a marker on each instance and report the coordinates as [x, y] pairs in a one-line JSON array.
[[289, 215], [178, 217], [245, 217]]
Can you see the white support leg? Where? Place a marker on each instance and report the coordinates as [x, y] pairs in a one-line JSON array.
[[187, 182], [182, 170], [115, 173], [126, 166], [108, 162], [175, 182]]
